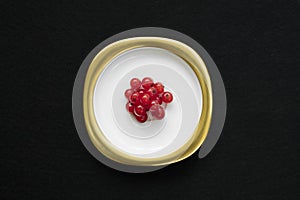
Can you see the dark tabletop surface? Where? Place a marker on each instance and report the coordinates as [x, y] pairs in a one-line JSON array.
[[255, 44]]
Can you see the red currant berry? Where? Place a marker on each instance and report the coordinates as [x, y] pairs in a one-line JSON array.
[[145, 99], [158, 98], [153, 109], [152, 92], [135, 98], [167, 97], [159, 87], [139, 110], [160, 114], [157, 111], [128, 93], [147, 83], [153, 102], [135, 83], [129, 107], [141, 92], [141, 118]]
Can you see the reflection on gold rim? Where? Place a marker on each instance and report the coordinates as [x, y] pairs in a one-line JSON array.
[[109, 53]]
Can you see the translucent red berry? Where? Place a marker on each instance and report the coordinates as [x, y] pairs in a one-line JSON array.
[[159, 87], [167, 97], [153, 102], [141, 118], [147, 83], [145, 99], [141, 92], [157, 111], [152, 92], [129, 107], [135, 83], [135, 98], [158, 98], [128, 93], [160, 113], [139, 110]]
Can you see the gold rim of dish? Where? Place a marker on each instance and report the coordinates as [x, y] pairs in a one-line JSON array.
[[104, 57]]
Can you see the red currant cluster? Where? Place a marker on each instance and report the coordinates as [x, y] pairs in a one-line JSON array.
[[146, 96]]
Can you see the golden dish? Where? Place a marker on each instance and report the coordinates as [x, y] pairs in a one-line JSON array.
[[113, 50]]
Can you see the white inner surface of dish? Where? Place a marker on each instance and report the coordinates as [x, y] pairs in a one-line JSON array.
[[152, 138]]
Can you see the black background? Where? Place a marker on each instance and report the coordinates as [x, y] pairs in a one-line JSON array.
[[255, 44]]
